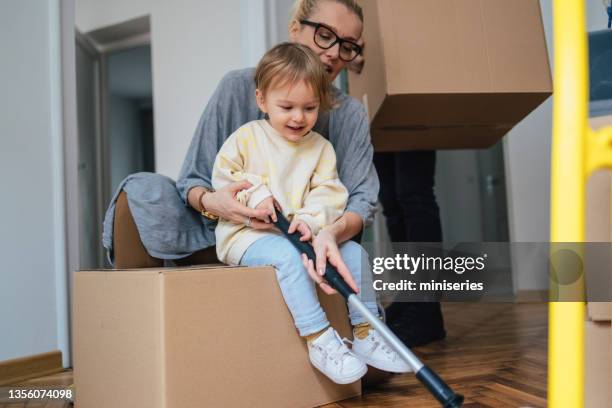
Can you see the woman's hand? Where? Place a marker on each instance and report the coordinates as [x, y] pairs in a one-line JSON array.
[[326, 249], [223, 204]]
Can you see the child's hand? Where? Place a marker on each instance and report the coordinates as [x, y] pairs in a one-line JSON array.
[[302, 228], [271, 205]]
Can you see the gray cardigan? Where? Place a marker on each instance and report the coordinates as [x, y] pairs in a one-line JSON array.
[[170, 229]]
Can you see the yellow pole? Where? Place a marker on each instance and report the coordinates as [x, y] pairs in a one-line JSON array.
[[568, 172]]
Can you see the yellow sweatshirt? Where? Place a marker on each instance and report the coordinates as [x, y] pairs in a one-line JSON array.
[[301, 176]]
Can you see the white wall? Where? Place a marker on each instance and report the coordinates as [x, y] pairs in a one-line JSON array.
[[597, 18], [280, 12], [32, 240], [193, 44], [527, 155], [457, 190]]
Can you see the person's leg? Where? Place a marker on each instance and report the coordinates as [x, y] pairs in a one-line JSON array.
[[129, 249], [326, 350], [296, 286], [416, 323], [414, 186], [368, 344], [412, 215], [385, 167], [148, 223], [407, 195], [356, 260]]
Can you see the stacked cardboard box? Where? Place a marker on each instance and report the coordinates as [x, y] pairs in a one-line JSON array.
[[194, 337], [598, 339], [450, 74]]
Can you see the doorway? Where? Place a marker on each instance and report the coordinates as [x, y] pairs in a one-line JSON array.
[[129, 113], [115, 122], [471, 192]]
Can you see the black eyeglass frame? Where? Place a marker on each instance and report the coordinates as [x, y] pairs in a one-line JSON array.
[[338, 40]]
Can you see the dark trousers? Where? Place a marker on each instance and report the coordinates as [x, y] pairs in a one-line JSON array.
[[412, 214]]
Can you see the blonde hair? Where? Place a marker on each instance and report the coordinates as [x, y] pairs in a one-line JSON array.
[[289, 63], [303, 9]]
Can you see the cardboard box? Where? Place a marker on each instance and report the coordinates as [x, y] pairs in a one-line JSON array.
[[598, 367], [598, 338], [450, 74], [599, 311], [194, 337], [598, 220]]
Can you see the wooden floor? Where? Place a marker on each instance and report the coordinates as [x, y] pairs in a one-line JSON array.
[[495, 355]]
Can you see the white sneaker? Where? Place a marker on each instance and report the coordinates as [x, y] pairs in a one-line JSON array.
[[374, 351], [329, 354]]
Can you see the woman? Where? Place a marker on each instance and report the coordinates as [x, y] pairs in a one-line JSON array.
[[170, 230]]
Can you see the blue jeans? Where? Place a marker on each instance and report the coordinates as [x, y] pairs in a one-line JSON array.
[[298, 288]]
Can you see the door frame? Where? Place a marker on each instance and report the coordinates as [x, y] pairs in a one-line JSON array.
[[101, 151]]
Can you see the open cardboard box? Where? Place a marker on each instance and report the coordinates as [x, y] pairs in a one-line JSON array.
[[194, 337], [450, 74]]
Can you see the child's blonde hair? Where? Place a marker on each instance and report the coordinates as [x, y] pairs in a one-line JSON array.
[[289, 63]]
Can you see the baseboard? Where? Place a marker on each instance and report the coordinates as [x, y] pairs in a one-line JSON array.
[[38, 365], [529, 296]]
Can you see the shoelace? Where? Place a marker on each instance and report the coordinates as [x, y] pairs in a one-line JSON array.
[[337, 350]]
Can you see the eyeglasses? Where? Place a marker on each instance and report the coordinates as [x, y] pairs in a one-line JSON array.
[[326, 38]]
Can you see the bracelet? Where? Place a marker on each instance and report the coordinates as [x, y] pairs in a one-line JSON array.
[[202, 210]]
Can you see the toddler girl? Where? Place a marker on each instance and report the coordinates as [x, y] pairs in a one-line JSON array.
[[293, 169]]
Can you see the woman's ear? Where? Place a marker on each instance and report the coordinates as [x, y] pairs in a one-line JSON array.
[[294, 30], [261, 103]]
